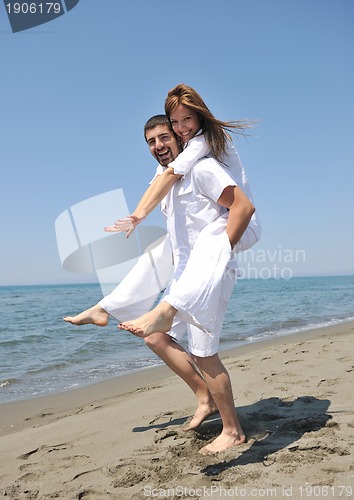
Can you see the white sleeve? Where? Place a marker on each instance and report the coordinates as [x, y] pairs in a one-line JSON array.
[[159, 170], [210, 178], [196, 149]]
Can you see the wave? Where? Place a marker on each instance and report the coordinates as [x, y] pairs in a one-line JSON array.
[[292, 330], [40, 354], [8, 382]]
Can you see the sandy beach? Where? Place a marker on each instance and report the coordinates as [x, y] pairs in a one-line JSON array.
[[123, 438]]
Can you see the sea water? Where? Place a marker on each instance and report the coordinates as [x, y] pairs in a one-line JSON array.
[[41, 354]]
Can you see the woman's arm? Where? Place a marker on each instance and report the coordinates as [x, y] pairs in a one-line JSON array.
[[154, 194], [197, 148]]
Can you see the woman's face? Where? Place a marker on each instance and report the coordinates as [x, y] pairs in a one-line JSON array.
[[185, 122]]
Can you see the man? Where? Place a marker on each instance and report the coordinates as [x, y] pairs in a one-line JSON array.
[[213, 391], [164, 148], [203, 199]]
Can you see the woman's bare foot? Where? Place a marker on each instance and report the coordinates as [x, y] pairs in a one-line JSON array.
[[94, 315], [202, 412], [222, 443], [159, 319]]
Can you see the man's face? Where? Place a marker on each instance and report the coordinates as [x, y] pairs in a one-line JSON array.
[[162, 144]]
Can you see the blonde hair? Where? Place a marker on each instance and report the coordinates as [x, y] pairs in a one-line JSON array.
[[216, 131]]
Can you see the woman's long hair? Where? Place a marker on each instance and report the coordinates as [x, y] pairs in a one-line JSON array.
[[216, 131]]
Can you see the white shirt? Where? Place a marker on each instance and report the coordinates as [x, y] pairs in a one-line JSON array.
[[193, 151], [196, 149], [192, 204]]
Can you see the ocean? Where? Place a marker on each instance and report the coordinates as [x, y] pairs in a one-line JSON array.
[[40, 354]]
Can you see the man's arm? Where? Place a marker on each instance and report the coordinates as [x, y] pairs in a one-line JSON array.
[[240, 212]]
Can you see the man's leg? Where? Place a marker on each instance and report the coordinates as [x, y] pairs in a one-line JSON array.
[[219, 385], [179, 361], [95, 315]]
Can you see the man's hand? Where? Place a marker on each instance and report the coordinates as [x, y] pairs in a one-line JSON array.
[[126, 225], [240, 212]]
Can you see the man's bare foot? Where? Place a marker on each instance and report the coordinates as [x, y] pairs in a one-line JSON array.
[[222, 443], [203, 411], [159, 319], [94, 315]]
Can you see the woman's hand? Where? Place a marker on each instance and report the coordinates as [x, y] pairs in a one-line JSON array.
[[126, 225]]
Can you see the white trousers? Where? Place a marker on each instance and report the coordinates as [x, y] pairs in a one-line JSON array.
[[198, 293], [138, 291]]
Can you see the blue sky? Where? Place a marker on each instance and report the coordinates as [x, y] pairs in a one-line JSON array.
[[76, 92]]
